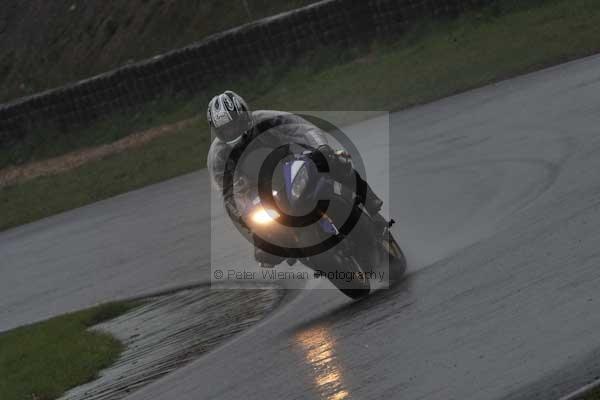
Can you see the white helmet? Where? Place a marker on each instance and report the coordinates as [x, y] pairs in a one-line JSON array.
[[229, 116]]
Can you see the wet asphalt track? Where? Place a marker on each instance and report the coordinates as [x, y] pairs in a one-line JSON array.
[[497, 194]]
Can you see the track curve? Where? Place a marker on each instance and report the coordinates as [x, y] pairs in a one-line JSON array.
[[498, 200]]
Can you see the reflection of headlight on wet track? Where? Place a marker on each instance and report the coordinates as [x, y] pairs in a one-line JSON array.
[[319, 347], [264, 217]]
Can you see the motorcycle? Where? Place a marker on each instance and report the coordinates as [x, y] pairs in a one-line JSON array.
[[346, 256]]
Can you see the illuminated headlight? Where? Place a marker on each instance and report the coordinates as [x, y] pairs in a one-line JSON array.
[[263, 217], [300, 182]]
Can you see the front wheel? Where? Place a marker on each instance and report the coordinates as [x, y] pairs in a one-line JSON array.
[[361, 287], [346, 274]]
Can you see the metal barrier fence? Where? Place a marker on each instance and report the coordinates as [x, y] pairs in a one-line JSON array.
[[246, 48]]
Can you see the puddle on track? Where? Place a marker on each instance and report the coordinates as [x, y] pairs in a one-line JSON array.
[[171, 330]]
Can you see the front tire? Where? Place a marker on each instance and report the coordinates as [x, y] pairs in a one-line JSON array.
[[346, 274], [360, 287]]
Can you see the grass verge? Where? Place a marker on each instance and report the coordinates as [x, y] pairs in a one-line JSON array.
[[594, 395], [163, 158], [43, 360], [433, 60]]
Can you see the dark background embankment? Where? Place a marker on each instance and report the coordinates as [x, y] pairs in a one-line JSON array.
[[279, 39], [46, 44]]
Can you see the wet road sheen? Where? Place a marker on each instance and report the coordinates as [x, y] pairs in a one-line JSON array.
[[497, 195]]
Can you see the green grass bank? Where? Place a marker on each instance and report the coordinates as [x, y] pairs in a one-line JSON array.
[[43, 360]]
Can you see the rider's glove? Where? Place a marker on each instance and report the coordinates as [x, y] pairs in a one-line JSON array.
[[344, 154], [235, 215], [339, 162]]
